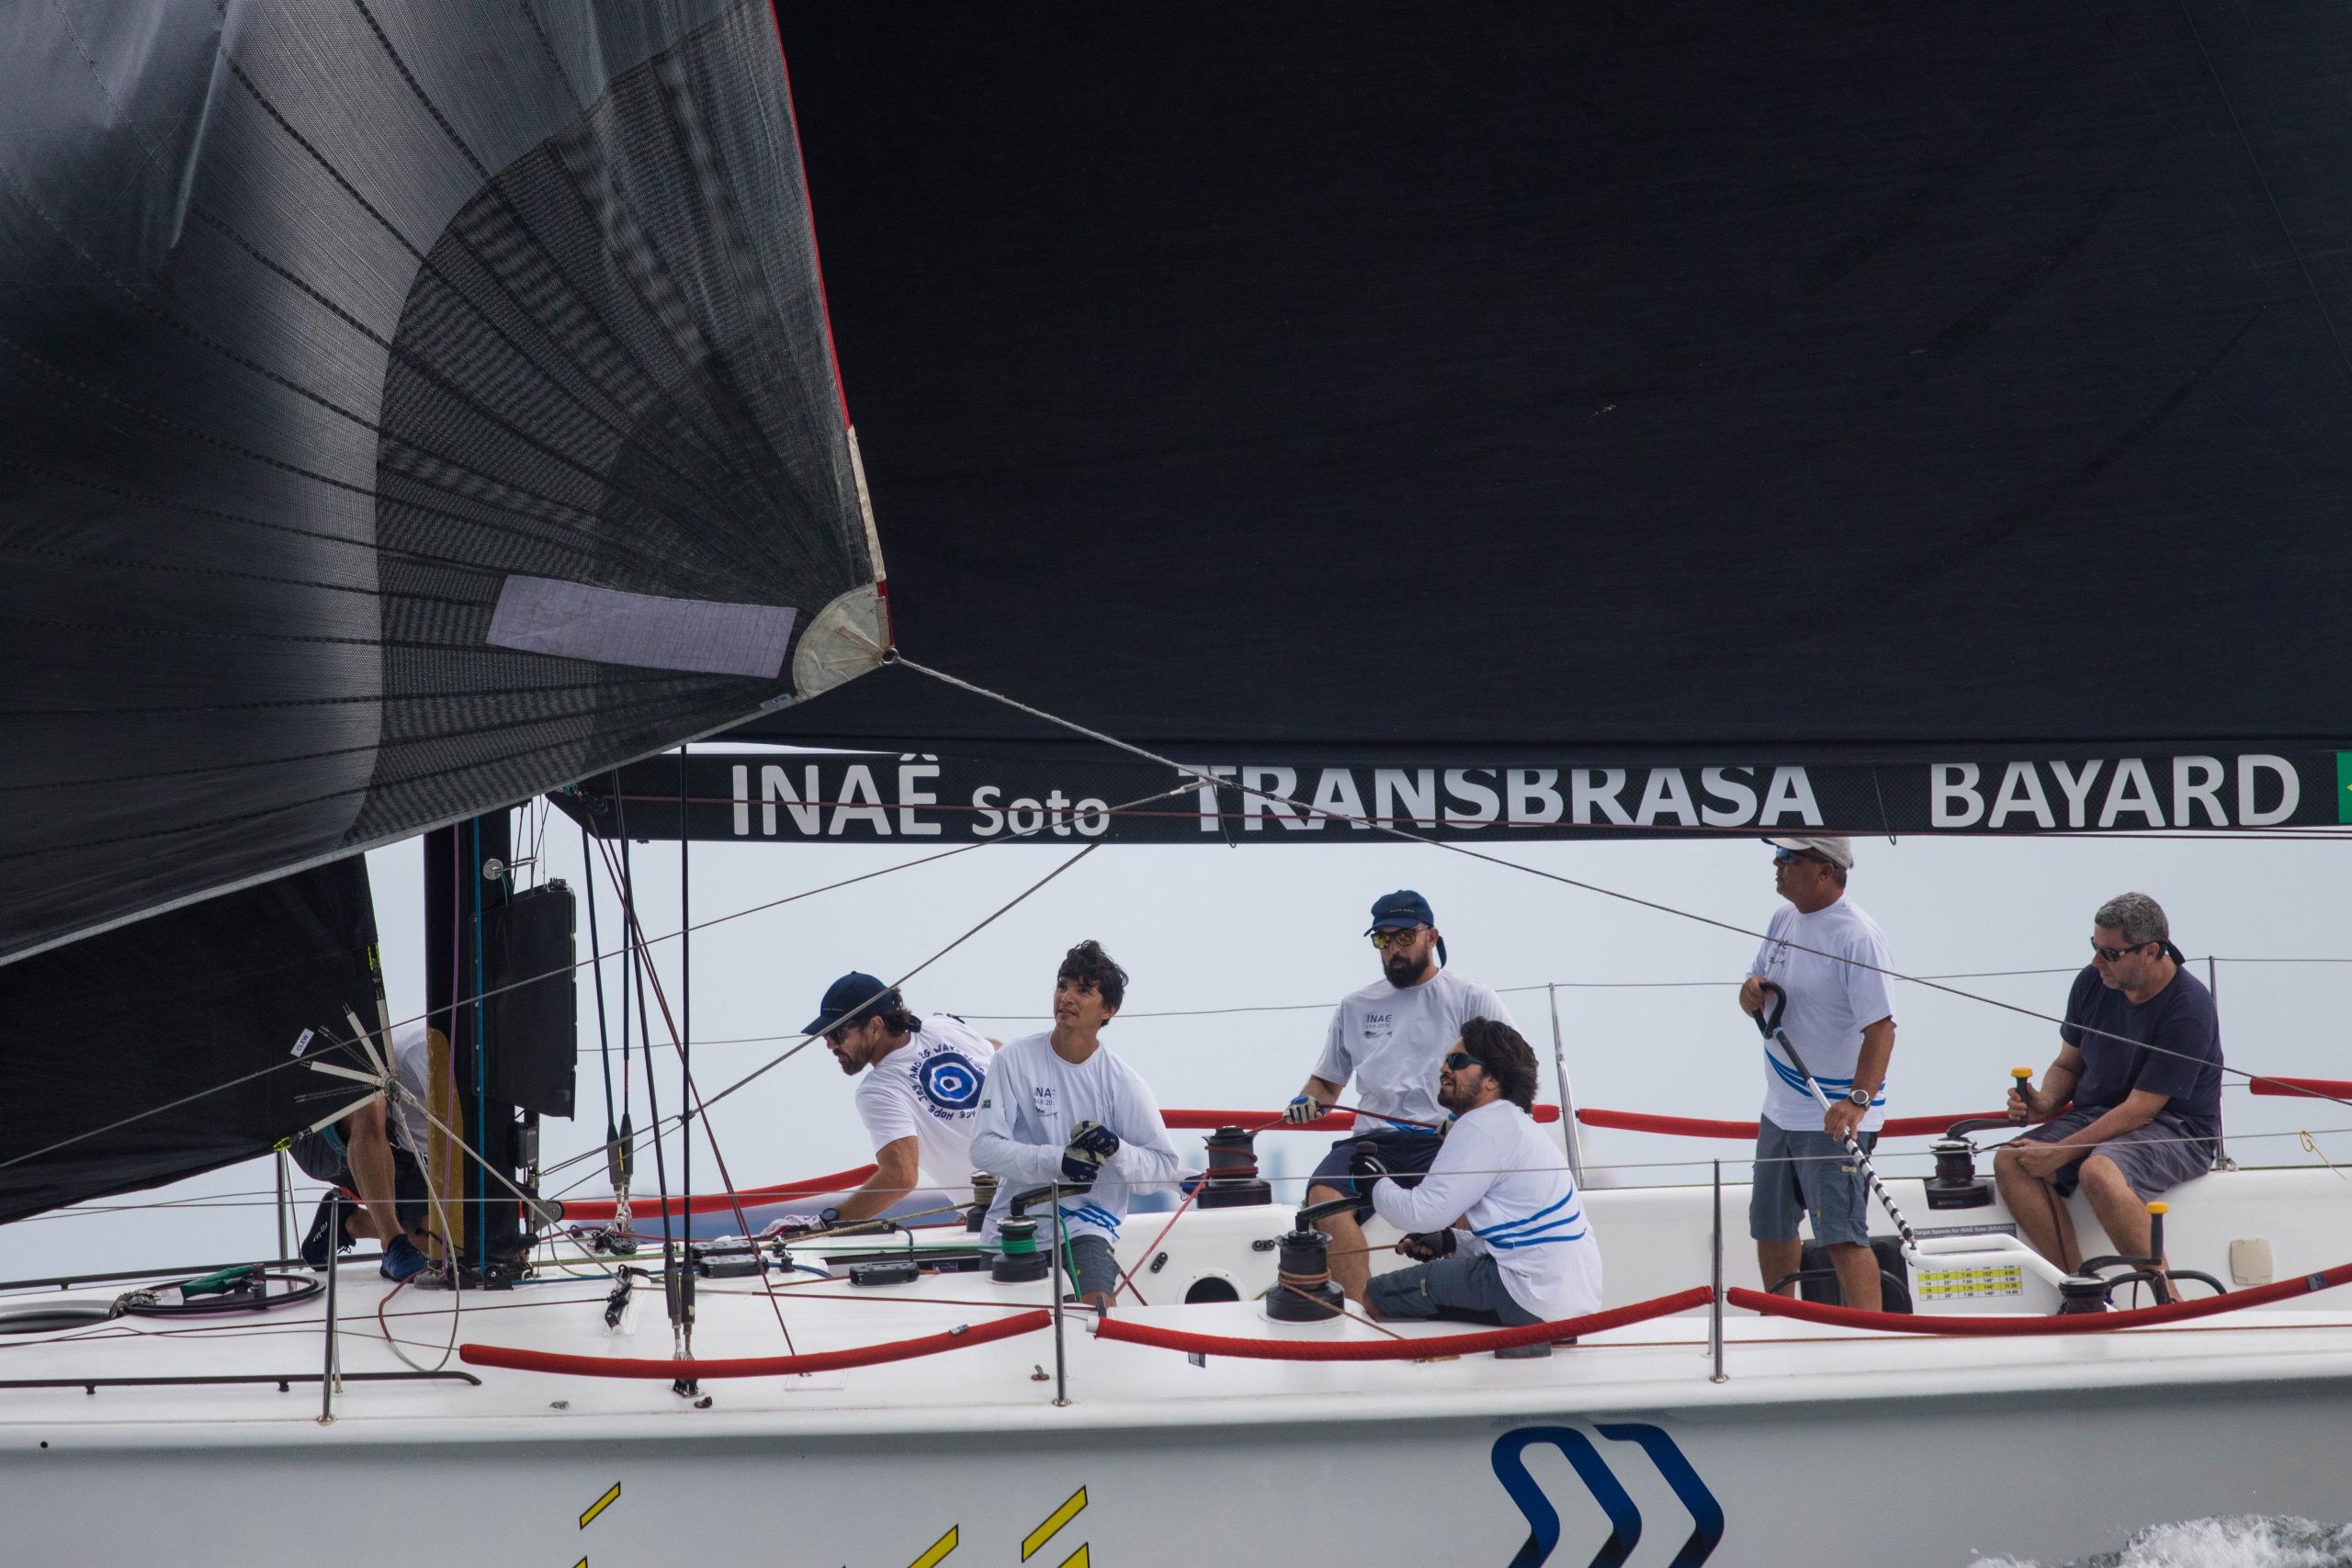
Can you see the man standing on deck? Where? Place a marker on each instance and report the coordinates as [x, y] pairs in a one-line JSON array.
[[1387, 1038], [2140, 1054], [1830, 960], [1497, 1219], [919, 1099], [1059, 1109]]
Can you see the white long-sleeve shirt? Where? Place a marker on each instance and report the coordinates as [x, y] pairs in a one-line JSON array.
[[1033, 1100], [1512, 1183]]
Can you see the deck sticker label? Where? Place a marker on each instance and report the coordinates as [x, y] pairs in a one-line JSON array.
[[599, 1505], [939, 1549], [1071, 1507], [1624, 1516]]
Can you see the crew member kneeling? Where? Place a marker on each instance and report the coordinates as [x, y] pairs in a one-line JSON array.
[[1498, 1215]]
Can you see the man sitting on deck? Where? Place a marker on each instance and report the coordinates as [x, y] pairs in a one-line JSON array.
[[1386, 1039], [2140, 1054], [1497, 1216], [919, 1099], [1059, 1109]]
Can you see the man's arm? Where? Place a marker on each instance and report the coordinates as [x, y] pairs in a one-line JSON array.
[[1323, 1091], [1444, 1195], [2044, 1160], [997, 1150], [1146, 1156], [1869, 1073], [894, 1177], [2058, 1081]]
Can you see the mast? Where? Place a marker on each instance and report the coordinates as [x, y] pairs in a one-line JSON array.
[[465, 884]]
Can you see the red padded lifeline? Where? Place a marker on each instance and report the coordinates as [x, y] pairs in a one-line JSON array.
[[2076, 1323], [1401, 1350], [752, 1366]]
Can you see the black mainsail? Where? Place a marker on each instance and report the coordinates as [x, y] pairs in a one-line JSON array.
[[397, 418], [403, 411]]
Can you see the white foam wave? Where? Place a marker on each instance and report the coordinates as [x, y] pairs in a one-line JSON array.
[[2240, 1540]]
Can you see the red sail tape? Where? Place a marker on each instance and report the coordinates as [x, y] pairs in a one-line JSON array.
[[1400, 1350], [2076, 1323], [752, 1366]]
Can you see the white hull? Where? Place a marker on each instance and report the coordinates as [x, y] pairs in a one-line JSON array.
[[1823, 1446]]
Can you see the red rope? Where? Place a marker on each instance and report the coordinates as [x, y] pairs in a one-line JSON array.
[[2303, 1089], [2072, 1323], [1401, 1350], [752, 1366], [1272, 1121], [711, 1202], [1700, 1127]]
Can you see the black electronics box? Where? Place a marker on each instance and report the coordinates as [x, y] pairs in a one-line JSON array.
[[534, 1005]]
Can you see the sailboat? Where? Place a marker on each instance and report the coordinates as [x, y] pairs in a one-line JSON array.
[[1304, 426]]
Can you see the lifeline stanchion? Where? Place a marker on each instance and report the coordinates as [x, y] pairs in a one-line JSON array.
[[1567, 1102], [334, 1246], [1061, 1366], [1715, 1308], [284, 1197]]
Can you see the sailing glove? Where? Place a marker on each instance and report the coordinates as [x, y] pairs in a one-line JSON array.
[[1367, 1168], [1303, 1108], [1091, 1143], [1427, 1245]]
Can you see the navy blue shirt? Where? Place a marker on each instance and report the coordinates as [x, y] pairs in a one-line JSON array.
[[2181, 1019]]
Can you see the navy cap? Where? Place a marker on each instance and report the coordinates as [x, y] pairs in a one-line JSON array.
[[1402, 908], [850, 994]]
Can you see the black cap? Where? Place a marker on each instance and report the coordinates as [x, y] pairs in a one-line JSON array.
[[852, 999]]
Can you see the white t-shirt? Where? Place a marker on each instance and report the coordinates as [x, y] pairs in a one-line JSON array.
[[1034, 1099], [412, 1058], [1830, 1003], [930, 1089], [1388, 1039], [1499, 1172]]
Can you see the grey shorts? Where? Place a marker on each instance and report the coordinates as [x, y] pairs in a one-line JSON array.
[[1093, 1265], [2155, 1158], [1808, 1176], [1460, 1289]]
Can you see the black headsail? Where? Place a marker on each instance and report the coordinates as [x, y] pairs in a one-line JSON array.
[[402, 412], [1684, 383]]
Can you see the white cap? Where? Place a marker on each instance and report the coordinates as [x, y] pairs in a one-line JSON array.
[[1838, 852]]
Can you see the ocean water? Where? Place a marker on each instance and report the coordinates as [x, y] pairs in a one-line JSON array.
[[2240, 1540]]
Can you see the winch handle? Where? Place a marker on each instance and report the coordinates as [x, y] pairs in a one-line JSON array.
[[2021, 1081], [1769, 1027]]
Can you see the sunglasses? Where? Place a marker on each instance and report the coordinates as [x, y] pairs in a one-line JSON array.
[[1782, 857], [1458, 1060], [2113, 955], [1392, 936]]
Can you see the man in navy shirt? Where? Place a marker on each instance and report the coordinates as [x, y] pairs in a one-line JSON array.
[[2140, 1058]]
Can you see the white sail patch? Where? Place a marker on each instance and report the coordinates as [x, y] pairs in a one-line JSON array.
[[572, 620]]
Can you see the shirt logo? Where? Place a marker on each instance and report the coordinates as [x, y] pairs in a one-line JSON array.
[[1041, 1097], [948, 1082]]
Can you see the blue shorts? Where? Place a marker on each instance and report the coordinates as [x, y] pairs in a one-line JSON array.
[[1808, 1176], [1401, 1149]]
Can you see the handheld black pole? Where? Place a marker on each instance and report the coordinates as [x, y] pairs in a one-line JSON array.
[[1772, 1031]]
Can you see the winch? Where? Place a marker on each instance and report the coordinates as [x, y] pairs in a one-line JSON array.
[[1232, 1181], [1304, 1290]]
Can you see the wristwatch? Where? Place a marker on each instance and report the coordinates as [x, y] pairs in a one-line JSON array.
[[830, 1215], [1859, 1096]]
